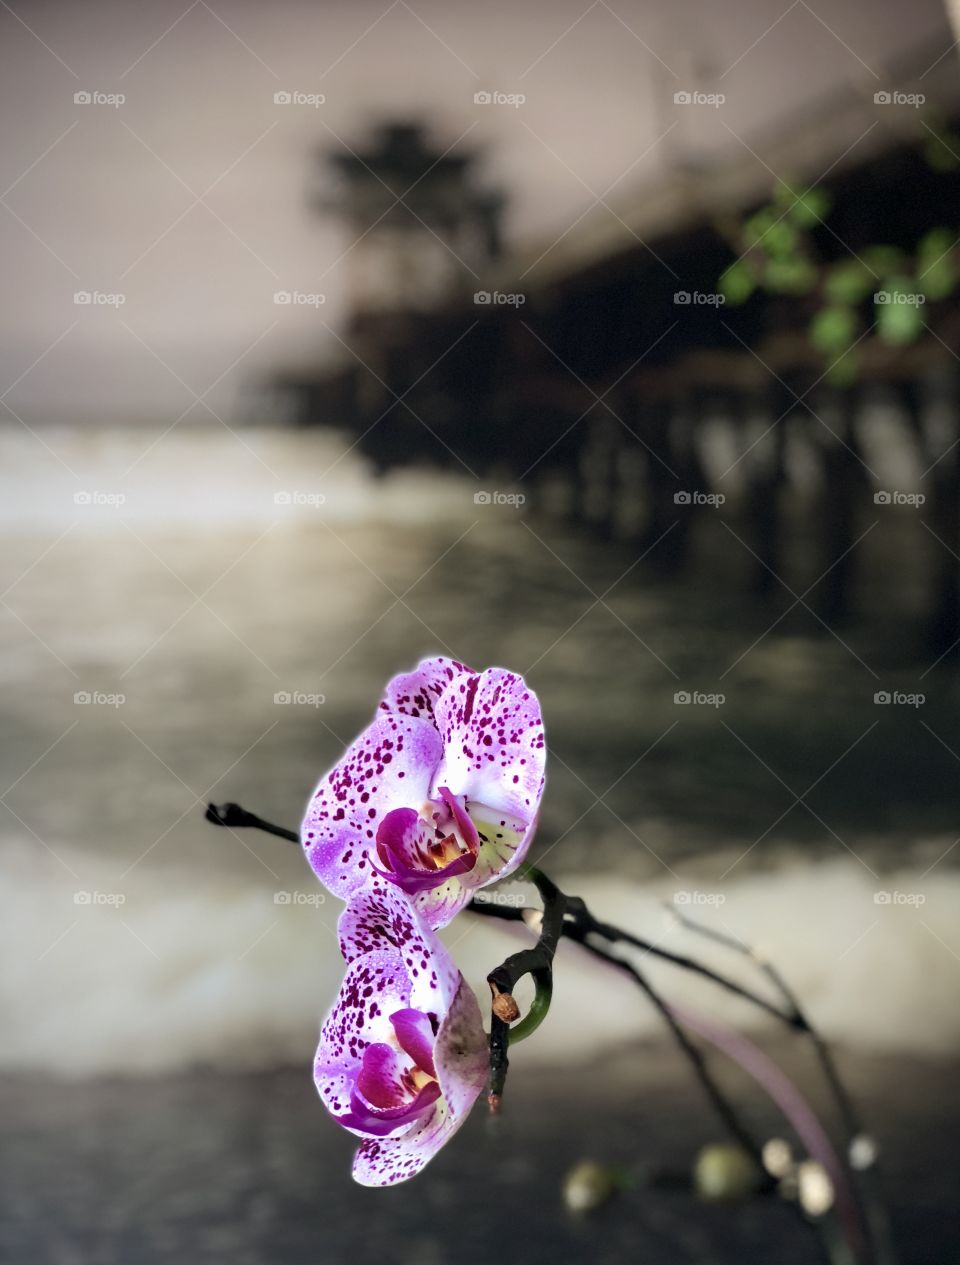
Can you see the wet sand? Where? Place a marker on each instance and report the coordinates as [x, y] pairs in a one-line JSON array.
[[204, 1167]]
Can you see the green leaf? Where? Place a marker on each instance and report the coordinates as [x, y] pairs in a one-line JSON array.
[[771, 231], [790, 276], [811, 208], [848, 281], [937, 263], [939, 279], [833, 329], [757, 225], [785, 194], [936, 243], [898, 309], [737, 282]]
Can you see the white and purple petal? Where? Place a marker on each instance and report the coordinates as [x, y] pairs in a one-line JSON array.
[[461, 1055], [384, 921], [415, 693], [391, 765], [375, 986], [494, 751]]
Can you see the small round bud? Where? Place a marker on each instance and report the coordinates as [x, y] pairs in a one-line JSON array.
[[863, 1152], [587, 1187], [777, 1157], [504, 1006], [725, 1171], [815, 1188]]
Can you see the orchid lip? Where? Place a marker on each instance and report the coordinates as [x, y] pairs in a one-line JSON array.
[[400, 838], [381, 1121]]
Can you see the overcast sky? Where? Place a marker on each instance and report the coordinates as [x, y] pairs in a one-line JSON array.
[[189, 198]]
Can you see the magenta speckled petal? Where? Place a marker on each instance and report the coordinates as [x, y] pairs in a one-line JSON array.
[[384, 921], [493, 748], [389, 766], [461, 1056], [367, 1121], [380, 1080], [403, 840], [415, 693], [416, 1037], [375, 987]]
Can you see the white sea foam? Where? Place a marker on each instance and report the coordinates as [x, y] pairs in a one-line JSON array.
[[200, 475], [207, 970]]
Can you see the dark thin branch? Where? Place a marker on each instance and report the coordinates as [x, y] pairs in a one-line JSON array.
[[866, 1188], [692, 1052], [845, 1107], [233, 815]]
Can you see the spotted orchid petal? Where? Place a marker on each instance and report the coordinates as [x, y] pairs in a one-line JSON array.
[[416, 860], [402, 1054], [462, 1062], [493, 743], [415, 693], [389, 766], [439, 796]]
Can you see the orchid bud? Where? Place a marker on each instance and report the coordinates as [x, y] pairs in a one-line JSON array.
[[588, 1186], [725, 1171]]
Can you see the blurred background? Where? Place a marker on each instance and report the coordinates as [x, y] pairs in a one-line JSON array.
[[616, 344]]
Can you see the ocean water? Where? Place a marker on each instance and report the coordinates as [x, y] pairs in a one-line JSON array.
[[207, 615]]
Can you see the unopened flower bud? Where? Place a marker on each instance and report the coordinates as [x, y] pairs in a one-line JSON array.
[[725, 1171], [587, 1187], [815, 1188], [504, 1006]]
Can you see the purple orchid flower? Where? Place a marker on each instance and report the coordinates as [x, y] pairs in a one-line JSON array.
[[438, 796], [402, 1055]]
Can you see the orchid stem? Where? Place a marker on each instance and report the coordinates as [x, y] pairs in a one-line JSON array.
[[872, 1208], [692, 1052], [232, 815], [537, 962]]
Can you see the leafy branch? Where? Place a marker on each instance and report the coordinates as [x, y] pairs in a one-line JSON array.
[[879, 286]]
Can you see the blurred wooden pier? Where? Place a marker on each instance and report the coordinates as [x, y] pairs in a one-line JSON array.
[[584, 369]]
